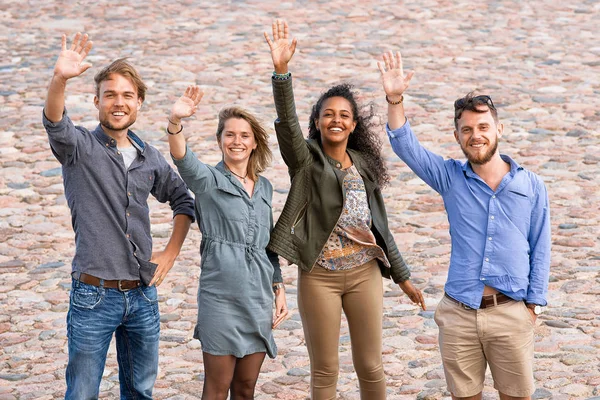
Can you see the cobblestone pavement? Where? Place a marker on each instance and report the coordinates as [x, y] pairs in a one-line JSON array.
[[539, 60]]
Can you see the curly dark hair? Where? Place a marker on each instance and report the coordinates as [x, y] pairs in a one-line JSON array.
[[364, 138]]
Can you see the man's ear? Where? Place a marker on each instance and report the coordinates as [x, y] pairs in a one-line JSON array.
[[140, 101], [500, 129], [96, 102], [456, 136]]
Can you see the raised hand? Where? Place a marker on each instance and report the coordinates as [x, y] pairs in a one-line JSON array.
[[187, 104], [281, 48], [392, 75], [70, 61]]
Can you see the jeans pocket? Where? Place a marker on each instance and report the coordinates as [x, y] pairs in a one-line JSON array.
[[149, 293], [86, 296]]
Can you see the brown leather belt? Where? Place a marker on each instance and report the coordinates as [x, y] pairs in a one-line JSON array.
[[122, 285], [486, 301]]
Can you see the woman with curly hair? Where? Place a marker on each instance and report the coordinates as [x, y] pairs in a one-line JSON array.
[[334, 227]]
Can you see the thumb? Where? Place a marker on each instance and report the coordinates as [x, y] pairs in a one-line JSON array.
[[293, 46], [85, 66]]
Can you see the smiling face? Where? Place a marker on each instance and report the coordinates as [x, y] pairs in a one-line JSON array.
[[117, 103], [335, 121], [477, 134], [237, 141]]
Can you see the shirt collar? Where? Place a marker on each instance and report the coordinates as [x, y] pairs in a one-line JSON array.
[[110, 142], [514, 166]]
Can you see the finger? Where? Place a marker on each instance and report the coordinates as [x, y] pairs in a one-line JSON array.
[[274, 29], [408, 77], [422, 301], [381, 68], [86, 49], [399, 62], [75, 41], [293, 46], [268, 41], [286, 30], [280, 30], [279, 320], [63, 45], [85, 66], [83, 43], [386, 61]]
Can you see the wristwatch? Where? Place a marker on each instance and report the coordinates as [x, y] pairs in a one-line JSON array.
[[537, 309], [277, 286]]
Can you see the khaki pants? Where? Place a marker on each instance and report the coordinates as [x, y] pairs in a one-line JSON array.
[[322, 295], [501, 336]]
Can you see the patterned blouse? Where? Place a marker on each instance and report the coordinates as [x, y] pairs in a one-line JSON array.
[[352, 243]]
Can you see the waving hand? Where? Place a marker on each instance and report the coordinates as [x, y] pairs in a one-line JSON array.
[[186, 105], [70, 61], [281, 48], [392, 75]]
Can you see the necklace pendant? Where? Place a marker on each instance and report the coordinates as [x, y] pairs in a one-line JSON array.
[[244, 179]]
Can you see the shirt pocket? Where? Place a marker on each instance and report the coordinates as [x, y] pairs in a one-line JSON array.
[[517, 206], [140, 183], [264, 211]]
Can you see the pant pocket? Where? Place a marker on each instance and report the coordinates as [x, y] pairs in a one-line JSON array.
[[86, 296]]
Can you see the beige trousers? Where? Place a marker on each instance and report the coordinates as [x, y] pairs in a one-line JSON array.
[[322, 295]]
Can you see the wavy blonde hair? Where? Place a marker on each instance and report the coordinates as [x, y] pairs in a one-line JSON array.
[[262, 156]]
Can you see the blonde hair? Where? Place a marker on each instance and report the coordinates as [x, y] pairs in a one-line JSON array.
[[261, 157], [125, 69]]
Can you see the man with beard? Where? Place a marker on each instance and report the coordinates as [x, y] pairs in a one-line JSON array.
[[500, 227], [108, 175]]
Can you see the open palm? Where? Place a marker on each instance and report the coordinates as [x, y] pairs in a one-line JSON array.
[[186, 105], [392, 74], [281, 48], [70, 61]]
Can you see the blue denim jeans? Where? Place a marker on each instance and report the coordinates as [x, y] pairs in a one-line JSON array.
[[95, 313]]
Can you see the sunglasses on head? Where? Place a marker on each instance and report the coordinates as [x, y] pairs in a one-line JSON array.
[[481, 99]]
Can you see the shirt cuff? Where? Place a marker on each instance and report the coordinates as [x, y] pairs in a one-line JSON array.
[[402, 131], [50, 124], [179, 162]]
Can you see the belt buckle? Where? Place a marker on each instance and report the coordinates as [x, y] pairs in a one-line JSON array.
[[120, 288]]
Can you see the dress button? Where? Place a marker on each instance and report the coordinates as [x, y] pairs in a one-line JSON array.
[[490, 238], [487, 259], [128, 193], [118, 152], [492, 217], [494, 196]]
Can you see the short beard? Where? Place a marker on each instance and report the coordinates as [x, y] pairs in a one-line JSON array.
[[111, 127], [485, 158]]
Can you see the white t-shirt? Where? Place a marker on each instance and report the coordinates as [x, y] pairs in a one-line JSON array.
[[129, 154]]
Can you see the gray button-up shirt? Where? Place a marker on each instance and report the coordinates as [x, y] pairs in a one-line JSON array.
[[108, 202]]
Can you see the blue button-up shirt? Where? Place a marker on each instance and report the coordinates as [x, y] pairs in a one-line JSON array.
[[108, 202], [500, 238]]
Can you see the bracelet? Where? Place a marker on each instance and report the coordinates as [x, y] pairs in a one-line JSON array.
[[281, 77], [394, 102], [171, 133], [277, 286], [168, 119]]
